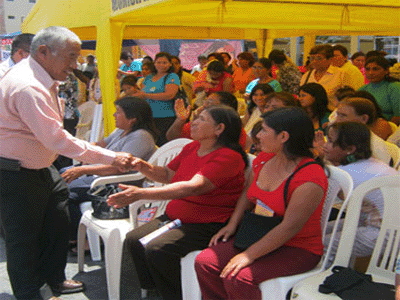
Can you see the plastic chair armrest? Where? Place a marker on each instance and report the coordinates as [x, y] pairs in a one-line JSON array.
[[117, 179]]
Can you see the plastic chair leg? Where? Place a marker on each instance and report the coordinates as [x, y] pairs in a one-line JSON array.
[[190, 284], [94, 245], [81, 246], [93, 238], [113, 256]]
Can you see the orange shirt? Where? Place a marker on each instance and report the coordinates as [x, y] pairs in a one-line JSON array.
[[242, 79]]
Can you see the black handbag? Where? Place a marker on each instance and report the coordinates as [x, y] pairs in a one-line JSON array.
[[349, 284], [101, 210], [253, 226], [180, 94]]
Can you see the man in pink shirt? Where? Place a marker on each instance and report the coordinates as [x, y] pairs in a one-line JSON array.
[[33, 202]]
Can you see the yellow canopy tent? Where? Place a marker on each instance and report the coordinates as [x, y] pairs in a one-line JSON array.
[[110, 21]]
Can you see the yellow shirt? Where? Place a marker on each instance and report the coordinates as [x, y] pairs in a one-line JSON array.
[[187, 81], [356, 77]]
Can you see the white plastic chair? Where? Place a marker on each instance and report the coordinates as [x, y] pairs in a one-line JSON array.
[[96, 131], [92, 135], [113, 232], [338, 180], [387, 247], [394, 154], [86, 111], [277, 288]]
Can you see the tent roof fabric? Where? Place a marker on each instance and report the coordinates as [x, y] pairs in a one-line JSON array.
[[312, 16], [287, 18]]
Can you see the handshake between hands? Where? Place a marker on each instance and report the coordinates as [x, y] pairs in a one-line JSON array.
[[125, 162]]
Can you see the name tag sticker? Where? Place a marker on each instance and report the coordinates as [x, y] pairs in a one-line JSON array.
[[262, 209]]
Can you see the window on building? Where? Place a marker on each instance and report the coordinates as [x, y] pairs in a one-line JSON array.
[[22, 19], [32, 1], [10, 0], [11, 17]]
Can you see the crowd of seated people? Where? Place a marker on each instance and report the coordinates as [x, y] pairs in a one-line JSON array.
[[204, 180], [295, 245], [321, 115]]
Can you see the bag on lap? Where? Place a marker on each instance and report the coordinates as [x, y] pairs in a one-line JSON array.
[[253, 226]]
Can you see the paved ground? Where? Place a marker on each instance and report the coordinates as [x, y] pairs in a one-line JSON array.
[[94, 278]]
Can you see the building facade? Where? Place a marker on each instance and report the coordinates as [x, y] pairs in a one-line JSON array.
[[14, 13]]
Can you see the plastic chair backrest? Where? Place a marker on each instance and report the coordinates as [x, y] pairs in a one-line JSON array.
[[338, 180], [86, 111], [383, 259], [394, 152], [97, 124], [161, 157], [167, 152], [387, 247]]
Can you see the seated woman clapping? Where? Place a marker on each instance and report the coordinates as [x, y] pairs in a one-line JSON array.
[[295, 245], [135, 134], [204, 180]]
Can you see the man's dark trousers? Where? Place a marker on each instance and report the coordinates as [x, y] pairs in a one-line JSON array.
[[33, 207]]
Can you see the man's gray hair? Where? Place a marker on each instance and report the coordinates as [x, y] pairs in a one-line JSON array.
[[54, 37]]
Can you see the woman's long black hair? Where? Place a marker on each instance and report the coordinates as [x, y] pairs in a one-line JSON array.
[[135, 107], [265, 87], [299, 126], [353, 134], [320, 106], [233, 127]]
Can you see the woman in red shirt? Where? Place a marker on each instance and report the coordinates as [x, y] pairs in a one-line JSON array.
[[216, 79], [295, 245], [205, 181]]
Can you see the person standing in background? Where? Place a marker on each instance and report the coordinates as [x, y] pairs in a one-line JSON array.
[[185, 78], [243, 75], [323, 72], [288, 73], [358, 59], [199, 67], [340, 60], [88, 68], [383, 87], [19, 50], [130, 66], [159, 90]]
